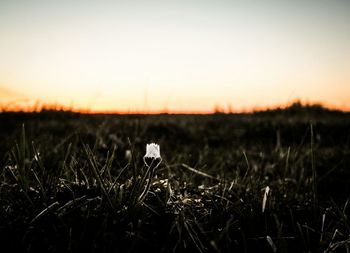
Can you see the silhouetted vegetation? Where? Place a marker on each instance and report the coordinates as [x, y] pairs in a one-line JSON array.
[[68, 182]]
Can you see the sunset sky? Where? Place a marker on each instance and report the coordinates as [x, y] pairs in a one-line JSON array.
[[184, 55]]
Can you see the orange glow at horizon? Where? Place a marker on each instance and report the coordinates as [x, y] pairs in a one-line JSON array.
[[27, 106], [174, 56]]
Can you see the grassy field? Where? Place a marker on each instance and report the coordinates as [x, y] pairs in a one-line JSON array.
[[275, 181]]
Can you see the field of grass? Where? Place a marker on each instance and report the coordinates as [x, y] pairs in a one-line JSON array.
[[74, 182]]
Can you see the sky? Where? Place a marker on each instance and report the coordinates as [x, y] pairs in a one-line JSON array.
[[174, 56]]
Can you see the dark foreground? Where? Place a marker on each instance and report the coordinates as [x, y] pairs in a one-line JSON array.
[[72, 182]]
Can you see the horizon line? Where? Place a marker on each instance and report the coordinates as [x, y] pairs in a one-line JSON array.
[[37, 108]]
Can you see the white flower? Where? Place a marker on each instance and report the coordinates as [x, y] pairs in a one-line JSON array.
[[152, 160], [152, 151]]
